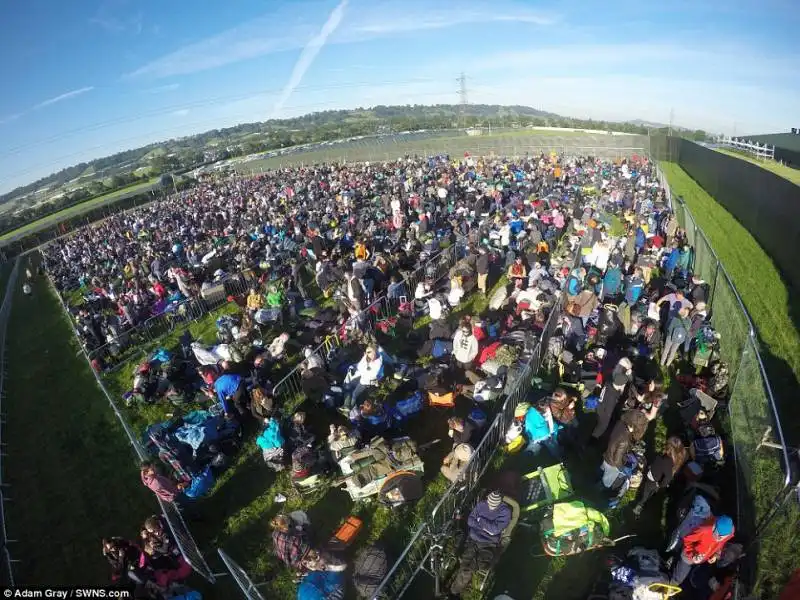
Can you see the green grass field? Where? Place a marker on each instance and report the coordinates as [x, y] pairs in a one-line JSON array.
[[78, 209], [789, 173], [72, 474], [773, 308], [504, 143], [236, 515]]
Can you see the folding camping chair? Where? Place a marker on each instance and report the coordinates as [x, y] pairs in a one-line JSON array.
[[544, 487]]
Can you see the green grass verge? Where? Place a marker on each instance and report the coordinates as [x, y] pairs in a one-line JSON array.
[[774, 309], [505, 143], [72, 474], [78, 209], [772, 166]]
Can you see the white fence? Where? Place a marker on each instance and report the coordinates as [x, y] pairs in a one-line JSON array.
[[758, 150]]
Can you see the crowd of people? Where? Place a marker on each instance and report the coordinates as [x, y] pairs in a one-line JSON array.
[[590, 242]]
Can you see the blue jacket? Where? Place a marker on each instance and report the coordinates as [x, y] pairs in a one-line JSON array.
[[486, 526], [633, 289], [612, 282], [271, 437], [640, 238], [536, 426], [321, 585], [226, 386], [672, 260]]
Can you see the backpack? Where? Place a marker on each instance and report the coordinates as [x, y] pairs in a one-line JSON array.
[[369, 569], [403, 409], [708, 449], [679, 335], [441, 348]]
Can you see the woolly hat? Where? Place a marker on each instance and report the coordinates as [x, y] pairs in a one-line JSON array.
[[723, 526], [493, 500], [463, 452]]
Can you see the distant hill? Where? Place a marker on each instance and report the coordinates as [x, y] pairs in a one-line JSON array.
[[92, 178]]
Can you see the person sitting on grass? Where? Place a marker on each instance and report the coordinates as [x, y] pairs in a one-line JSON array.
[[367, 373], [125, 558], [161, 485], [454, 463], [290, 539], [271, 443], [541, 430]]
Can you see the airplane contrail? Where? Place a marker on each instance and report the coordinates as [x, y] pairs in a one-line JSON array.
[[308, 54]]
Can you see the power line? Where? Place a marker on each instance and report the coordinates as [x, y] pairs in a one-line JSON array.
[[196, 104]]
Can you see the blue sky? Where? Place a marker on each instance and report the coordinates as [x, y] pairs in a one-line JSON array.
[[86, 79]]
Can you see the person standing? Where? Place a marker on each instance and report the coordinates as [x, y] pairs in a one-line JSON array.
[[677, 334], [702, 545], [607, 403], [482, 268], [661, 471]]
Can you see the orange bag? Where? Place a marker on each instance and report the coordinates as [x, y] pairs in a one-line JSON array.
[[443, 400], [346, 533]]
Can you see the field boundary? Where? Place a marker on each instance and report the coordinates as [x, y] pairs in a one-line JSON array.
[[5, 313], [177, 525]]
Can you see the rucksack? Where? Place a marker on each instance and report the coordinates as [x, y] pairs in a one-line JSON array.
[[369, 569], [679, 335], [441, 348], [708, 449], [403, 409]]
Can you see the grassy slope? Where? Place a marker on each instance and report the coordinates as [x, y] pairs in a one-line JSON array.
[[77, 209], [772, 307], [763, 291], [789, 173], [506, 142], [72, 474]]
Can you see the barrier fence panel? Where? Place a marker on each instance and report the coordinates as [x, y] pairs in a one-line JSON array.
[[177, 525], [461, 495], [6, 570], [242, 579], [186, 543], [763, 474]]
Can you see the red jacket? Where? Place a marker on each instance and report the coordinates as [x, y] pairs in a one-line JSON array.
[[701, 544]]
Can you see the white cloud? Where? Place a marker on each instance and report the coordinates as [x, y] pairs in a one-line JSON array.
[[9, 118], [62, 97], [163, 88], [372, 19], [182, 112], [385, 21], [309, 53]]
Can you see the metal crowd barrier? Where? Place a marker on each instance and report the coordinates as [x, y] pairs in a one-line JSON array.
[[291, 385], [180, 531], [240, 576], [421, 554], [752, 407]]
